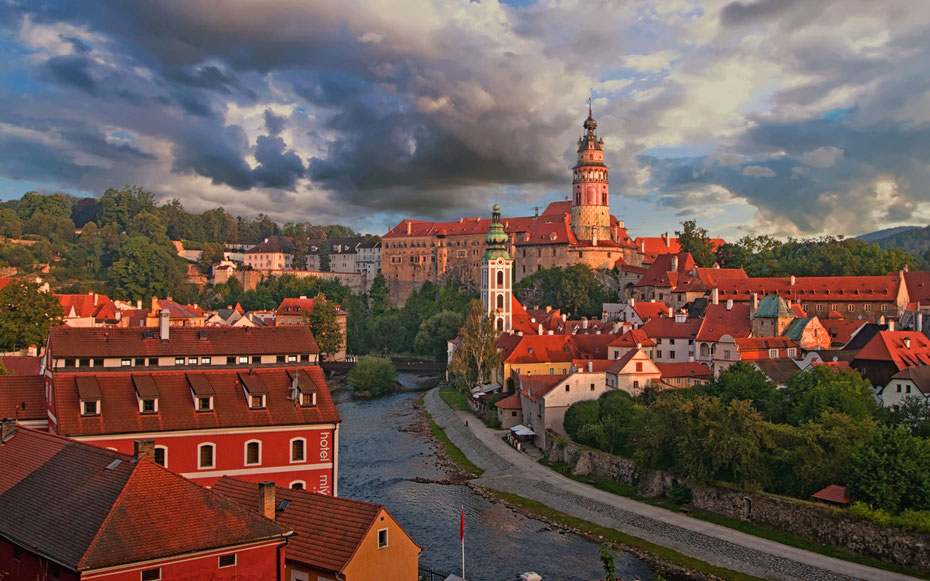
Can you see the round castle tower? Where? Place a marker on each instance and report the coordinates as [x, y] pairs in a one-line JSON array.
[[590, 187]]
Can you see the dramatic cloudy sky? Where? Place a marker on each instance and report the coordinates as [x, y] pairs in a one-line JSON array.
[[790, 117]]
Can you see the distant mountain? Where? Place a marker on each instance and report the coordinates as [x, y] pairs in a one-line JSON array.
[[886, 233]]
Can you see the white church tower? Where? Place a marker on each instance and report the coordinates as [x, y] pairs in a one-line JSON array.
[[497, 275]]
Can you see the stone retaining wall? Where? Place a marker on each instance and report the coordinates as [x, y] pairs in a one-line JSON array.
[[816, 522]]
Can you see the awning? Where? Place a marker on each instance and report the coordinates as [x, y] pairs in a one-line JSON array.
[[522, 430]]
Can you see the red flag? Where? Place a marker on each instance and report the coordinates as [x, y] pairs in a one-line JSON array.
[[462, 528]]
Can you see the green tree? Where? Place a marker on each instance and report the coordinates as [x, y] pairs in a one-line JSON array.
[[693, 239], [11, 225], [53, 206], [26, 315], [372, 376], [323, 323], [148, 225], [324, 256], [145, 269], [120, 206], [607, 561], [476, 355], [824, 388], [574, 289], [744, 381], [434, 334], [378, 296], [891, 471], [580, 414]]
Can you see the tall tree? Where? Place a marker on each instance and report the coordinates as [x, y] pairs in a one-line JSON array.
[[476, 355], [694, 239], [146, 269], [378, 296], [825, 388], [26, 315], [435, 332], [323, 324], [325, 265], [891, 471]]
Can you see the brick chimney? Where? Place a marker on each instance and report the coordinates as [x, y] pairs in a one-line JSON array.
[[715, 296], [144, 449], [266, 499], [674, 267], [891, 324], [7, 429]]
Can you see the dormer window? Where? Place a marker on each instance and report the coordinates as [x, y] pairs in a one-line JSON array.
[[254, 389], [308, 399], [89, 395], [292, 358], [202, 391], [146, 393], [256, 402]]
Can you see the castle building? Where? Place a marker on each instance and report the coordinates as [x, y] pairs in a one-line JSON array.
[[497, 275], [577, 230]]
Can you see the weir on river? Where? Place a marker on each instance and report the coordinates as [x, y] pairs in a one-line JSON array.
[[377, 463]]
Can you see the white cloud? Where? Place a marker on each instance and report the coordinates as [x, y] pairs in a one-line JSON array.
[[825, 156], [651, 63], [758, 171]]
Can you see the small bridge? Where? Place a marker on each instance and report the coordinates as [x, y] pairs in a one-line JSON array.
[[403, 365]]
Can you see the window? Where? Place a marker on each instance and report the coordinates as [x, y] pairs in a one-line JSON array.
[[292, 359], [671, 341], [243, 359], [726, 353], [382, 538], [639, 368], [850, 307], [253, 452], [907, 388], [179, 361], [125, 362], [205, 456], [153, 361], [819, 307], [151, 574], [90, 407], [227, 560], [635, 385], [256, 359], [69, 362], [773, 353], [671, 354], [148, 406], [592, 387], [551, 371], [192, 361], [899, 388], [792, 352], [256, 402], [206, 361], [568, 388], [884, 308], [833, 307], [307, 399], [500, 279], [161, 456], [140, 361], [867, 307], [658, 355], [298, 450], [298, 485]]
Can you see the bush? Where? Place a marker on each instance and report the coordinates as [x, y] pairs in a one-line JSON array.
[[679, 494], [372, 376], [579, 414]]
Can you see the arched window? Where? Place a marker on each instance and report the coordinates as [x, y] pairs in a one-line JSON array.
[[161, 456], [500, 324], [298, 450], [577, 199], [500, 278], [253, 452], [500, 302], [298, 485], [705, 351], [206, 456], [604, 198]]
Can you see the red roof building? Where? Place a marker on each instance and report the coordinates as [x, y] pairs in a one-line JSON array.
[[755, 348], [674, 337], [685, 374], [73, 511], [889, 352], [22, 398], [291, 312], [88, 310], [335, 538], [655, 246], [833, 494]]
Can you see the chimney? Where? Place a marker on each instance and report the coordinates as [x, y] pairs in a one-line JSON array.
[[665, 239], [891, 324], [266, 500], [905, 268], [550, 332], [590, 367], [144, 449], [632, 302], [652, 300], [7, 429], [920, 323], [671, 313], [715, 296], [540, 329], [881, 320], [564, 317], [408, 228], [96, 299], [584, 322], [639, 345], [681, 317], [548, 308], [154, 305], [139, 304], [754, 306], [164, 325], [691, 359], [674, 267], [616, 328], [791, 280], [907, 342], [642, 246], [303, 297], [32, 351], [729, 304]]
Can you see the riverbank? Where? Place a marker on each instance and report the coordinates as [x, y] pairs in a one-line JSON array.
[[510, 472]]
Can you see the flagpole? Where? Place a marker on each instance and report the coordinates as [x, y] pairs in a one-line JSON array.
[[463, 542]]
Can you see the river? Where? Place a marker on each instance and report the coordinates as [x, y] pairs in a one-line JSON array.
[[377, 462]]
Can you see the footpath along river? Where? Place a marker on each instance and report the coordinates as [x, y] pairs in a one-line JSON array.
[[378, 462]]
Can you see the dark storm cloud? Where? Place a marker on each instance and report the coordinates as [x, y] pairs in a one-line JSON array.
[[273, 123], [278, 168], [737, 13], [71, 70]]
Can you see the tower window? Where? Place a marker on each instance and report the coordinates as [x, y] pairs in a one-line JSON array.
[[500, 301], [500, 278]]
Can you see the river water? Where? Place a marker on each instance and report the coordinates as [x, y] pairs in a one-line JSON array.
[[376, 464]]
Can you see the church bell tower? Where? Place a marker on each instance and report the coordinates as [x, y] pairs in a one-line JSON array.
[[590, 187], [497, 275]]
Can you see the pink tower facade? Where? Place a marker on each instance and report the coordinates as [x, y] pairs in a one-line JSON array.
[[591, 187]]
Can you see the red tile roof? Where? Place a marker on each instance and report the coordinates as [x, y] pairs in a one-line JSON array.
[[21, 364], [650, 310], [536, 386], [86, 507], [841, 330], [684, 369], [329, 529], [758, 347], [119, 411], [296, 306], [75, 342], [596, 365], [668, 328], [23, 391], [632, 338], [918, 286], [83, 306], [511, 402], [833, 493], [815, 288], [718, 321], [617, 365], [660, 274], [273, 245], [903, 348], [654, 246]]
